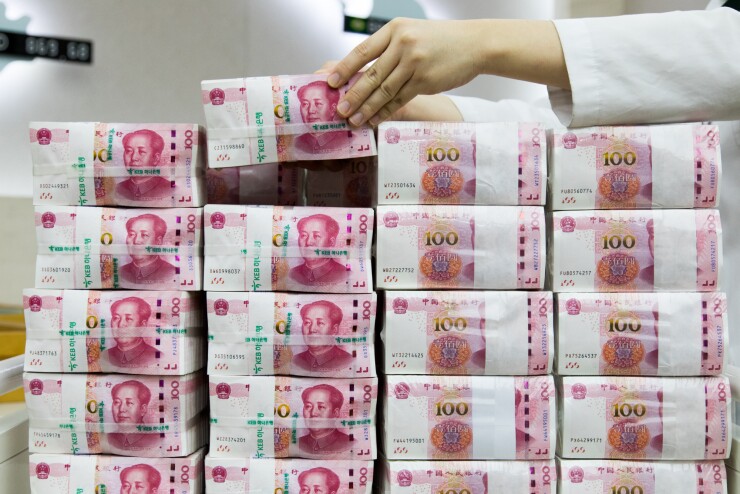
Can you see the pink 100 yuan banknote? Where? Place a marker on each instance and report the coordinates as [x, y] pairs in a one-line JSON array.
[[455, 332], [276, 119], [460, 247], [272, 183], [147, 416], [655, 166], [279, 417], [252, 248], [113, 164], [99, 474], [469, 477], [644, 477], [637, 251], [128, 332], [645, 418], [648, 334], [144, 249], [266, 333], [498, 164], [469, 418], [288, 476]]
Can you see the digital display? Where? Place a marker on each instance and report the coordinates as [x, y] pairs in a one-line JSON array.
[[27, 46], [363, 26]]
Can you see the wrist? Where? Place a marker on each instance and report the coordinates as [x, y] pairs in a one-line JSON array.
[[491, 44]]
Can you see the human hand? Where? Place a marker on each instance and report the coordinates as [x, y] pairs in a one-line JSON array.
[[413, 57], [422, 108]]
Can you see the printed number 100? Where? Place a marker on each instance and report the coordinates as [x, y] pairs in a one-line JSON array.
[[623, 489]]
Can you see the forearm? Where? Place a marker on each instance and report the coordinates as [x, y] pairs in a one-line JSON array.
[[527, 50]]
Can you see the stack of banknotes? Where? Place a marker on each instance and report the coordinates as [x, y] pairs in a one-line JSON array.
[[286, 416], [469, 476], [460, 209], [130, 415], [637, 251], [129, 332], [610, 476], [143, 249], [113, 164], [290, 304], [66, 474], [460, 247], [494, 164], [636, 167], [652, 418], [288, 476], [276, 248], [641, 366], [299, 334], [468, 333], [642, 334], [277, 119], [114, 384]]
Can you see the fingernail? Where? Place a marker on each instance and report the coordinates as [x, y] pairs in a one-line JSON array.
[[333, 79], [343, 107], [356, 119], [374, 121]]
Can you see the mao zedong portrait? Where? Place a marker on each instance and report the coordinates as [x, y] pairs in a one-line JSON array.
[[140, 479], [322, 402], [142, 150], [318, 480], [319, 106], [128, 317], [146, 268], [130, 404], [318, 232], [320, 322]]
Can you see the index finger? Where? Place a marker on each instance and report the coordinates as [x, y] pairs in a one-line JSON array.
[[361, 55]]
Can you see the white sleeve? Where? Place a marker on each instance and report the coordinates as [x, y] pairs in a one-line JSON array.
[[507, 110], [650, 68]]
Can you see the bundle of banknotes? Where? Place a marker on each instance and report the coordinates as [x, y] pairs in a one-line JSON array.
[[288, 476], [633, 477], [274, 248], [128, 332], [268, 333], [645, 418], [99, 474], [636, 167], [458, 332], [144, 249], [636, 251], [276, 119], [342, 183], [114, 164], [469, 418], [469, 477], [279, 417], [278, 184], [498, 164], [459, 247], [148, 416], [648, 334]]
